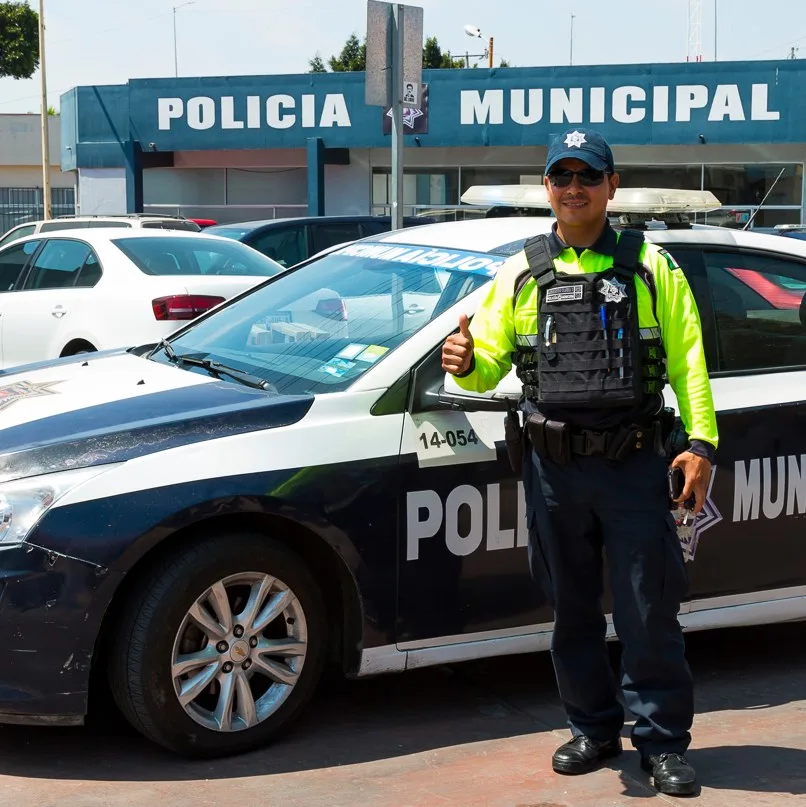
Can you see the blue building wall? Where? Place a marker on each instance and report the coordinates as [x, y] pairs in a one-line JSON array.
[[659, 104]]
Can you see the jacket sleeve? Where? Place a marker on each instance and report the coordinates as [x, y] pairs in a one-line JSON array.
[[681, 331], [493, 332]]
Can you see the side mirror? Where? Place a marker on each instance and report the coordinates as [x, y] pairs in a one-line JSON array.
[[467, 402]]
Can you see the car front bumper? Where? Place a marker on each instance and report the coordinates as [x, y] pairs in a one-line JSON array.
[[49, 623]]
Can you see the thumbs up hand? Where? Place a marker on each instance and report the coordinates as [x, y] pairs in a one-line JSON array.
[[457, 352]]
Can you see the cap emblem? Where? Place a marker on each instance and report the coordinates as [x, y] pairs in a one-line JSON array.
[[575, 139]]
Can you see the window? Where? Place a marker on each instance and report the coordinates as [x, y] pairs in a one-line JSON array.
[[58, 264], [286, 245], [67, 224], [18, 232], [90, 273], [99, 223], [319, 327], [12, 263], [182, 255], [337, 232], [172, 224], [759, 308]]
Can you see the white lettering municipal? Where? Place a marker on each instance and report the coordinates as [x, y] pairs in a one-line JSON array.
[[468, 519], [626, 104], [766, 486]]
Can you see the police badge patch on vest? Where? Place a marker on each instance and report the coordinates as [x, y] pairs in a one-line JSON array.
[[612, 290], [564, 294]]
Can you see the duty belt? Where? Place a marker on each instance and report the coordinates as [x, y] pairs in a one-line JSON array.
[[589, 443]]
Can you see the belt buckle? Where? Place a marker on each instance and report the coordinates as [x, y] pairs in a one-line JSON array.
[[595, 443]]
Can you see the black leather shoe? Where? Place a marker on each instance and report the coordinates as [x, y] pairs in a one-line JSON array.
[[672, 774], [582, 754]]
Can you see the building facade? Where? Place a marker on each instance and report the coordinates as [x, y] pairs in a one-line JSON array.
[[21, 171], [252, 147]]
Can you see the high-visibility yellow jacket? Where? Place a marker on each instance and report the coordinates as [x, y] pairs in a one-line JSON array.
[[503, 315]]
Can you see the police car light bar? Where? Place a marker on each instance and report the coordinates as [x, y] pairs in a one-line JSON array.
[[645, 201]]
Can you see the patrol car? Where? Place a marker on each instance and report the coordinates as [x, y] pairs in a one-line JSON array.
[[201, 525]]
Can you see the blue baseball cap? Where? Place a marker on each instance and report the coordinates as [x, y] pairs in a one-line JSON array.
[[581, 144]]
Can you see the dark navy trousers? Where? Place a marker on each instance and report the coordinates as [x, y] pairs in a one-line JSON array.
[[577, 513]]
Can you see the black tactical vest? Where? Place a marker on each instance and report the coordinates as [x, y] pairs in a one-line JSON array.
[[589, 351]]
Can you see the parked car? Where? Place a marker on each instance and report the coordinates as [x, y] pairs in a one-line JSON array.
[[292, 478], [134, 220], [289, 241], [77, 291]]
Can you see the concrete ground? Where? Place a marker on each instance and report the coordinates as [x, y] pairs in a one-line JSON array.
[[469, 735]]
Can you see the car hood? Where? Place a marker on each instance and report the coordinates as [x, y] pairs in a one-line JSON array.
[[103, 408]]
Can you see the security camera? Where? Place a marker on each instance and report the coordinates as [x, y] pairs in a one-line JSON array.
[[471, 30], [152, 146]]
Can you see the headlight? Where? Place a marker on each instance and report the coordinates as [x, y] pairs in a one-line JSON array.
[[25, 501]]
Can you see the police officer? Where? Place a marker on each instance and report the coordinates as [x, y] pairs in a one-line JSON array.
[[596, 321]]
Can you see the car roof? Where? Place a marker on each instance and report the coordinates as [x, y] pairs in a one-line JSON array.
[[253, 225], [504, 235], [105, 234]]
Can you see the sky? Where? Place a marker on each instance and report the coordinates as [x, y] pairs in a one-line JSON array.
[[110, 41]]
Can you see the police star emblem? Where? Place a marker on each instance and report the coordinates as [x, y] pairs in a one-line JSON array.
[[575, 139], [612, 291], [12, 393]]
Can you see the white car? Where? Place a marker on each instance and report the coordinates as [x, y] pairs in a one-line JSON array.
[[128, 220], [79, 291]]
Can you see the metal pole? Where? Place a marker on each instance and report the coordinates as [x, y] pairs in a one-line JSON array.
[[571, 60], [46, 205], [491, 51], [176, 58], [716, 27], [397, 115]]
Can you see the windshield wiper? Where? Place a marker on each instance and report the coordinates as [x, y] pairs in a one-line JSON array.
[[165, 345], [213, 367], [222, 369]]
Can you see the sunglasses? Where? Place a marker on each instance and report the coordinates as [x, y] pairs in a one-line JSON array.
[[588, 177]]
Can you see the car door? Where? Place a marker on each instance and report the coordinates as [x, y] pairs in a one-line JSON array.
[[750, 536], [463, 571], [14, 260], [33, 322]]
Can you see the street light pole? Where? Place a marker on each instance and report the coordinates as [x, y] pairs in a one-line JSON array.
[[46, 204], [571, 59], [176, 57]]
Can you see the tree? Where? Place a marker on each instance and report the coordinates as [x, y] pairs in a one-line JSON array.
[[504, 63], [317, 65], [19, 40], [353, 56]]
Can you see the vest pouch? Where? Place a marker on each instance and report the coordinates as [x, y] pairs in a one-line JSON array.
[[590, 353]]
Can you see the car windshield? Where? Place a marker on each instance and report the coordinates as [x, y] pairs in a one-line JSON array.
[[177, 255], [319, 327]]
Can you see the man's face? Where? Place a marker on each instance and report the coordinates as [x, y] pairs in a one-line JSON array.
[[579, 203]]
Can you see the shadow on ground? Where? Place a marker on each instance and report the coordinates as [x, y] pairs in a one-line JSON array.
[[352, 722]]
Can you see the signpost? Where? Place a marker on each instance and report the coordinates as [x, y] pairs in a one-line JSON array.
[[393, 76]]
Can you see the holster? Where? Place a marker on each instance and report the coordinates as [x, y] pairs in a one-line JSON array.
[[514, 437]]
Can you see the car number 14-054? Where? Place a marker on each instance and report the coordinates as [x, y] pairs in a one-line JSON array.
[[460, 437]]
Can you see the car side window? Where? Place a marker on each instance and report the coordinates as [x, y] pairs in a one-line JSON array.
[[58, 265], [67, 224], [13, 261], [375, 227], [17, 232], [286, 245], [331, 233], [90, 272], [759, 304]]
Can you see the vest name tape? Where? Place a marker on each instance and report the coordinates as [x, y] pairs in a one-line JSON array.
[[564, 294]]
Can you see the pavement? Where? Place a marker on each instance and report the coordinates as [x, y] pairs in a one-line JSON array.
[[478, 734]]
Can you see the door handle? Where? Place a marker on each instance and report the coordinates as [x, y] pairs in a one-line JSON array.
[[414, 309], [58, 311]]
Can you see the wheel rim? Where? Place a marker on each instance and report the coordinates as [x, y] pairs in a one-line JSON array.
[[239, 652]]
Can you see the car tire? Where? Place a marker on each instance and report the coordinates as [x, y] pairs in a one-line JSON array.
[[150, 646]]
